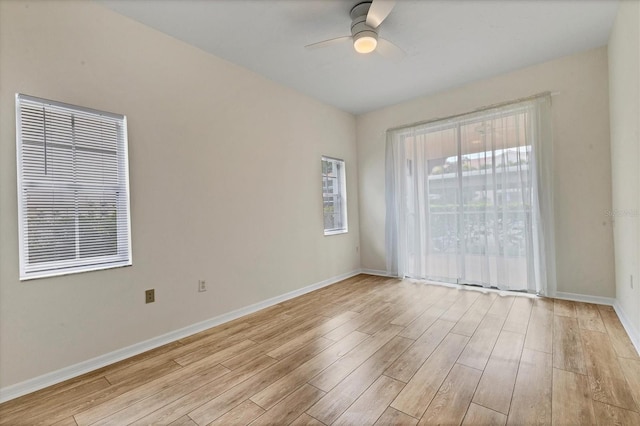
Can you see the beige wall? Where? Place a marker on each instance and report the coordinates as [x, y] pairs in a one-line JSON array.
[[624, 83], [225, 185], [582, 169]]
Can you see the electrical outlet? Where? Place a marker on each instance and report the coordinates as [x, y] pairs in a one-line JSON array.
[[149, 296], [202, 285]]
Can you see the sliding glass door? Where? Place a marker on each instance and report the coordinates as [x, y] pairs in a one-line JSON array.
[[466, 200]]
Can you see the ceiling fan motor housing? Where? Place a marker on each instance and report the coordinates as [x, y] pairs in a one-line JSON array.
[[359, 27]]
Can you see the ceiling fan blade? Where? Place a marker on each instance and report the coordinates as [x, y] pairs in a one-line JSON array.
[[330, 42], [379, 11], [390, 50]]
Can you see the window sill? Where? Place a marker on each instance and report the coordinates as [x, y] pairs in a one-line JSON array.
[[70, 271], [338, 232]]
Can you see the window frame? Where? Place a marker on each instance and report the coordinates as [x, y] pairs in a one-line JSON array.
[[123, 251], [341, 179]]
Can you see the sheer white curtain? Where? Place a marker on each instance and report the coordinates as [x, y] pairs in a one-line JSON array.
[[469, 199]]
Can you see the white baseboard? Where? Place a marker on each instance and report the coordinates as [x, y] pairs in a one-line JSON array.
[[377, 272], [48, 379], [599, 300], [631, 330]]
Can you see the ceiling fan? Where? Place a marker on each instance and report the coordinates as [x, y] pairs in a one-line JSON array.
[[366, 18]]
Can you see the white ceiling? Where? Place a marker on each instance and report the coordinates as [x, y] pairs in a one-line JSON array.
[[448, 43]]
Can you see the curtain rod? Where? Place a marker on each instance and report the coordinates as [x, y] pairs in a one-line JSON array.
[[485, 108]]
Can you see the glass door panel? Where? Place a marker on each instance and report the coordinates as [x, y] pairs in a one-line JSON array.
[[443, 194], [473, 181], [495, 204]]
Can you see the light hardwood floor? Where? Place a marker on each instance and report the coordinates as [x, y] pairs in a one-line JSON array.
[[369, 350]]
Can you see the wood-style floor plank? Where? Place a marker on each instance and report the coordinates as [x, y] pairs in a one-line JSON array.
[[589, 317], [345, 365], [50, 400], [567, 346], [608, 383], [270, 328], [382, 319], [544, 303], [183, 421], [450, 404], [230, 332], [355, 323], [418, 326], [303, 339], [393, 417], [565, 308], [285, 335], [305, 420], [478, 415], [496, 385], [610, 415], [273, 393], [531, 401], [243, 414], [471, 319], [572, 403], [69, 421], [53, 410], [540, 330], [410, 361], [477, 352], [409, 315], [215, 353], [370, 405], [501, 306], [228, 400], [416, 396], [518, 317], [631, 371], [131, 406], [290, 408], [460, 306], [185, 404], [338, 399], [619, 339], [369, 350]]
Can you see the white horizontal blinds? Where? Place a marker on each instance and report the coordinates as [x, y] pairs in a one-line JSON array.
[[334, 197], [73, 188]]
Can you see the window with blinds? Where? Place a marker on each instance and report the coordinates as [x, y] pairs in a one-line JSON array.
[[334, 196], [73, 188]]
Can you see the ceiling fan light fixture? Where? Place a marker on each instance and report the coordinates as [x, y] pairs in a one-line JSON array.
[[366, 18], [365, 42]]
